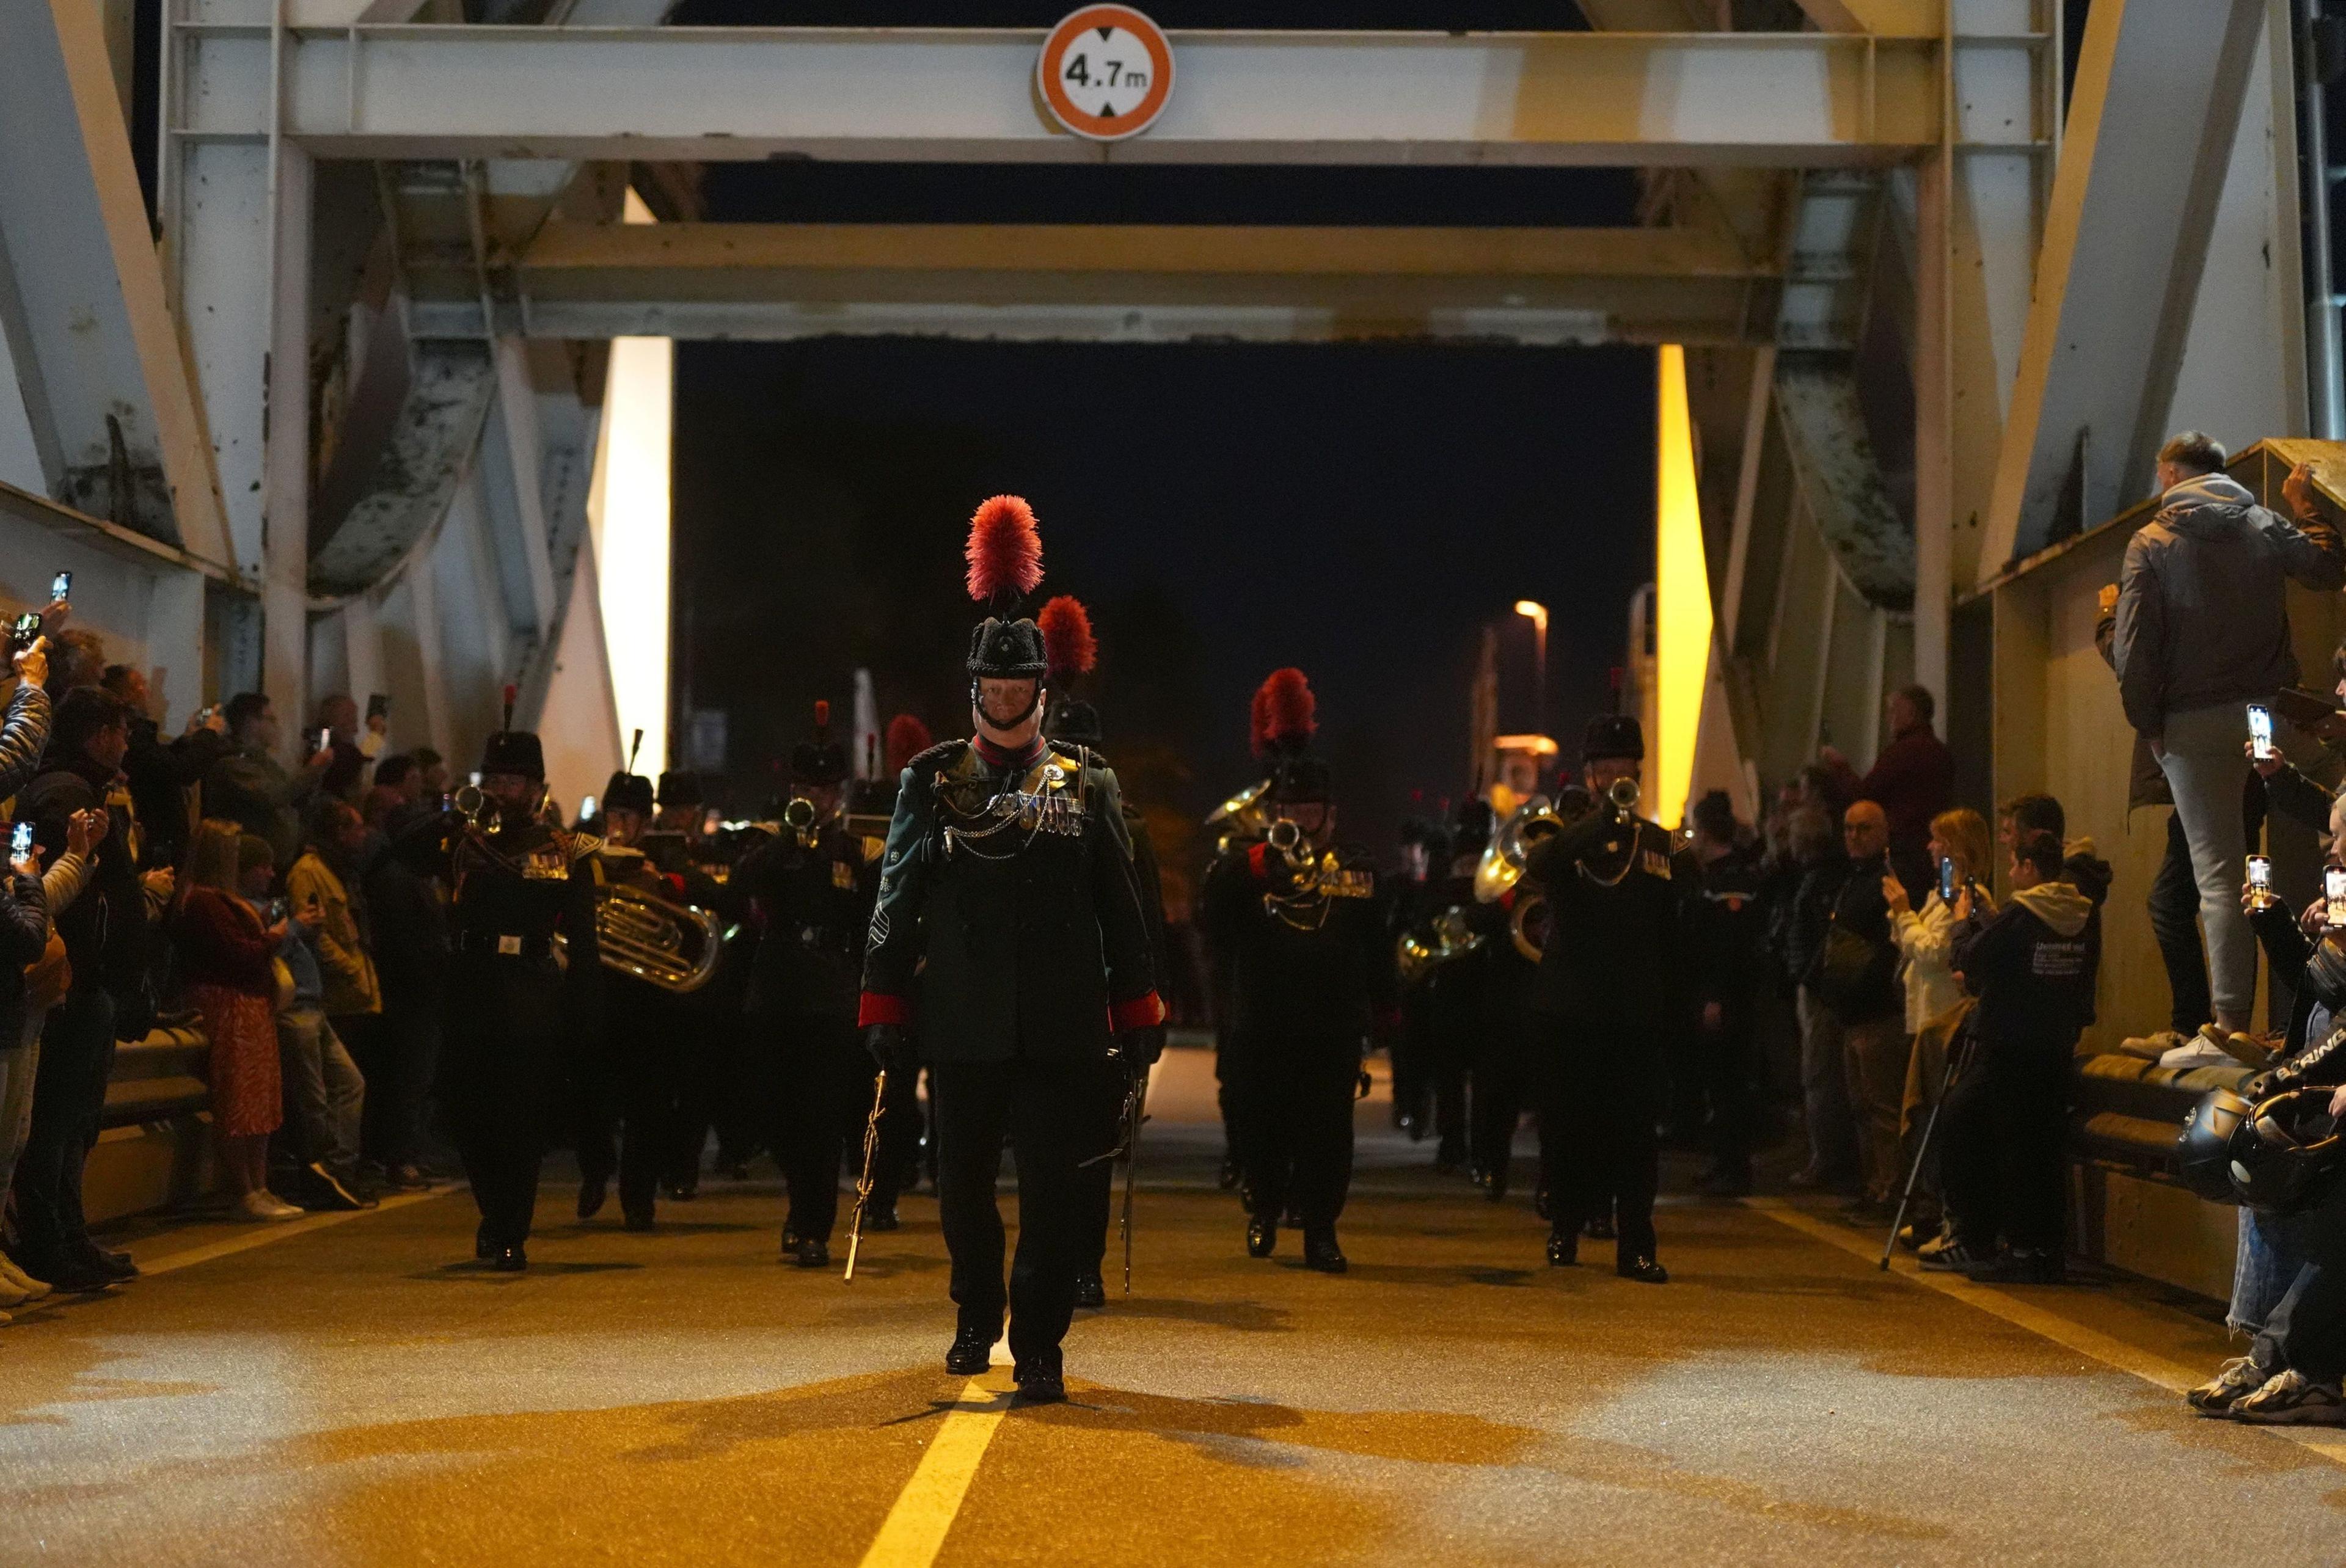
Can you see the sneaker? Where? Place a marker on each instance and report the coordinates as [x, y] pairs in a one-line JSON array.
[[2151, 1047], [1950, 1256], [2289, 1397], [34, 1289], [331, 1191], [266, 1206], [12, 1297], [1936, 1245], [2234, 1381], [2202, 1050]]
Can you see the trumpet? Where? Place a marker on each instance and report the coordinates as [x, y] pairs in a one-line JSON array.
[[1622, 796], [798, 817]]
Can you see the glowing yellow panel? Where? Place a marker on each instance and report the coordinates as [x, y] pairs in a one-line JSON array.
[[631, 536], [1682, 598]]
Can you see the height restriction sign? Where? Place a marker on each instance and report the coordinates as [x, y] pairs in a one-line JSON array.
[[1106, 72]]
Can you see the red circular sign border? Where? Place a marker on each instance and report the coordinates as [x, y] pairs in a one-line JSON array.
[[1091, 127]]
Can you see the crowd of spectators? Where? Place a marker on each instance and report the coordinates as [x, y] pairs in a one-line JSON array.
[[195, 882]]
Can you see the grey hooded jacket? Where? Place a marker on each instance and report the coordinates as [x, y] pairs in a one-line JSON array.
[[2203, 615]]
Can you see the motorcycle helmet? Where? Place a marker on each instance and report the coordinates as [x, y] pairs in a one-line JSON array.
[[2286, 1151], [2203, 1152]]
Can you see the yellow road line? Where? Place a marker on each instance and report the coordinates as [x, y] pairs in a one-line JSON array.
[[2107, 1349], [914, 1529], [262, 1235]]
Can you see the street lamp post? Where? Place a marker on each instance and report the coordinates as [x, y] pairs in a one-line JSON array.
[[1536, 613]]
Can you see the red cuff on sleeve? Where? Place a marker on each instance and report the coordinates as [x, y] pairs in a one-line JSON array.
[[879, 1008], [1254, 861], [1143, 1011]]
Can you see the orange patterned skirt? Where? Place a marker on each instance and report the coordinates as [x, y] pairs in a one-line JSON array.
[[248, 1100]]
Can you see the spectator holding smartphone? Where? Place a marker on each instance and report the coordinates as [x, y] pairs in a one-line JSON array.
[[250, 787], [227, 954], [2201, 629], [44, 985], [23, 932]]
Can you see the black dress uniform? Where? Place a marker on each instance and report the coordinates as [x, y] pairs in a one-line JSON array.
[[1457, 992], [1607, 992], [1078, 723], [1720, 918], [1008, 940], [624, 1079], [512, 1004], [813, 895], [1310, 970], [1413, 900]]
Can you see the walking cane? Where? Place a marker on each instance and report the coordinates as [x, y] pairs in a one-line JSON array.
[[863, 1182], [1922, 1150]]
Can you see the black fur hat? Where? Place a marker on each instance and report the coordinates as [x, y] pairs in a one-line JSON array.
[[514, 751], [1612, 737], [627, 792]]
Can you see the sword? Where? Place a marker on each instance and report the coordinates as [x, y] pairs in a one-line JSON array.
[[863, 1182], [1135, 1111]]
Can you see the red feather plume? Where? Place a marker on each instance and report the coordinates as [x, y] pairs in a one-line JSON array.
[[907, 738], [822, 718], [1283, 711], [1067, 640], [1259, 721], [1005, 552]]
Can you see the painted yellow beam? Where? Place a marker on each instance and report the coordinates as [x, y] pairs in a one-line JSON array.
[[1681, 595]]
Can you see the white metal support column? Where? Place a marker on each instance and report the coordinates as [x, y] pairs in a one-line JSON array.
[[285, 474], [81, 295], [2160, 87], [1979, 206]]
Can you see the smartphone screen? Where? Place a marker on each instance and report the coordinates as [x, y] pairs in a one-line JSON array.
[[60, 587], [27, 630], [2333, 894], [325, 739], [2261, 873], [2260, 741], [1946, 879], [20, 842]]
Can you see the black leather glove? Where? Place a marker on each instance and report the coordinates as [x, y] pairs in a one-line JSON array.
[[1137, 1049], [892, 1046]]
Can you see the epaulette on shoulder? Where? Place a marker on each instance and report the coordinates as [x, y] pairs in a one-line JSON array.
[[1082, 756], [943, 754], [582, 845]]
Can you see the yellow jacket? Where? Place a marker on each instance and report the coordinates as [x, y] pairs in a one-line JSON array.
[[344, 966]]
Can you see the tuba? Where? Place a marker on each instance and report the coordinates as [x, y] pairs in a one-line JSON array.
[[1501, 867], [1451, 938], [673, 946], [1244, 817]]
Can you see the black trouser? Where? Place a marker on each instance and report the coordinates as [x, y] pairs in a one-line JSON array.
[[1413, 1052], [1725, 1055], [68, 1094], [1456, 1000], [2002, 1131], [1298, 1150], [627, 1099], [1049, 1113], [398, 1054], [1597, 1080], [2174, 905], [1106, 1090], [504, 1030], [812, 1060], [2307, 1330], [1500, 1090]]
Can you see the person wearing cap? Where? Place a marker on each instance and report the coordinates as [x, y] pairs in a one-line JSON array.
[[513, 1007], [811, 890], [1311, 972], [624, 1078], [1008, 953], [1604, 1002]]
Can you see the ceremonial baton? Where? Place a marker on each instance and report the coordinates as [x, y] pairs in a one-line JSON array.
[[863, 1182]]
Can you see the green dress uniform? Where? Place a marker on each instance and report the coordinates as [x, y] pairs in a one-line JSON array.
[[1008, 935]]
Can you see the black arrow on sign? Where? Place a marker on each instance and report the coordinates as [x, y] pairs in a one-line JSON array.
[[1105, 33]]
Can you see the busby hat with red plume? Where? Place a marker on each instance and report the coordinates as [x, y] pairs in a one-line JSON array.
[[1284, 720], [819, 760], [1073, 651], [907, 738], [511, 750], [1006, 564]]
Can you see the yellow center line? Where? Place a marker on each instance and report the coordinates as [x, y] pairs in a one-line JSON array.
[[914, 1530], [2092, 1343], [262, 1235]]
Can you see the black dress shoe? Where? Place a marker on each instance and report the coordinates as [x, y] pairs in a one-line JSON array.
[[1262, 1235], [1321, 1252], [1037, 1387], [115, 1266], [683, 1191], [1600, 1228], [1644, 1271], [881, 1217], [1091, 1295], [483, 1248], [971, 1352], [591, 1194], [75, 1276], [811, 1252], [790, 1237], [1563, 1249], [510, 1259], [639, 1219]]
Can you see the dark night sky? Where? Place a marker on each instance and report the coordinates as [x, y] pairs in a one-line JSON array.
[[1360, 510]]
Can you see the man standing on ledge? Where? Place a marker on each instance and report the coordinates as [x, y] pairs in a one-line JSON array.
[[1008, 907]]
